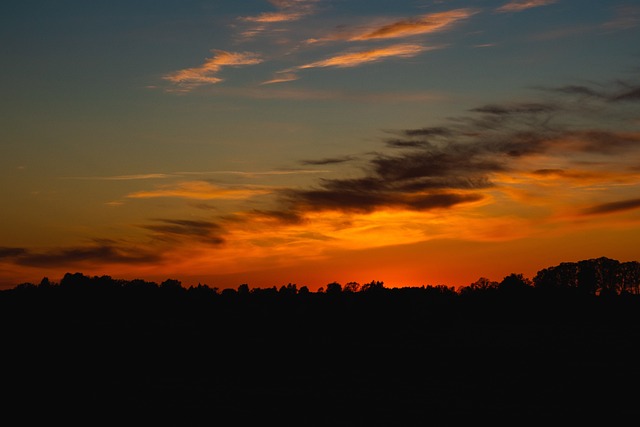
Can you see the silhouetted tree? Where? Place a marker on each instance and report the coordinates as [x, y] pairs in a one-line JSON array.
[[45, 283], [289, 289], [373, 286], [351, 287], [334, 288], [243, 289], [483, 284], [171, 284], [304, 290], [514, 283]]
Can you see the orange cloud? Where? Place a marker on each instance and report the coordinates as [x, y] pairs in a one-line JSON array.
[[199, 190], [206, 73], [613, 207], [289, 10], [274, 17], [353, 59], [281, 78], [424, 24], [517, 6]]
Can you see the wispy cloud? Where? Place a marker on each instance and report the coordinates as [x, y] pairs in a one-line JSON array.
[[328, 161], [353, 59], [620, 91], [149, 176], [424, 24], [625, 17], [7, 252], [470, 158], [189, 78], [171, 229], [134, 177], [199, 190], [281, 77], [612, 207], [520, 5], [101, 252], [288, 10]]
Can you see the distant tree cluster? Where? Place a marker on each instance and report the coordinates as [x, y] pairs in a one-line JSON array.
[[598, 276]]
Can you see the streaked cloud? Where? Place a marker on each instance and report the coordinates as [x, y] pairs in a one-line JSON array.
[[134, 177], [619, 91], [353, 59], [282, 78], [171, 229], [200, 190], [100, 253], [328, 161], [190, 78], [8, 252], [495, 152], [424, 24], [520, 5], [149, 176], [612, 207], [625, 17], [288, 10]]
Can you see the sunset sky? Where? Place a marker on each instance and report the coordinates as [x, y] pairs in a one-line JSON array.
[[414, 142]]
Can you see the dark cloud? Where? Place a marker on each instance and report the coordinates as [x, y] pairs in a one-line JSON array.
[[579, 90], [613, 207], [441, 167], [428, 131], [632, 94], [328, 161], [423, 137], [172, 229], [532, 108], [605, 142], [284, 216], [617, 92], [404, 143], [361, 200], [6, 252], [75, 255], [549, 172]]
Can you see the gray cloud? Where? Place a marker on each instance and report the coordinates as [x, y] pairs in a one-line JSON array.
[[441, 167], [613, 207], [84, 254], [327, 161], [173, 229], [619, 91], [6, 252]]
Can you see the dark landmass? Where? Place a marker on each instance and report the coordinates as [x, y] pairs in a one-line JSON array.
[[561, 347]]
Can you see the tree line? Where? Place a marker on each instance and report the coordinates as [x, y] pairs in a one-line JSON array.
[[597, 276]]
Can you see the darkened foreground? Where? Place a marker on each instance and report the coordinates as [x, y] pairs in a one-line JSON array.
[[96, 349]]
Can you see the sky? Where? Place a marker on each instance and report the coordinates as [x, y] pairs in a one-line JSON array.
[[267, 142]]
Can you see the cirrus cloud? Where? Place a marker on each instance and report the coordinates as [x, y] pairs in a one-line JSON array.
[[520, 5], [200, 190], [190, 78], [353, 59], [424, 24]]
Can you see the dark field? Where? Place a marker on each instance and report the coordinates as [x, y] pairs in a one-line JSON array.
[[386, 357]]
